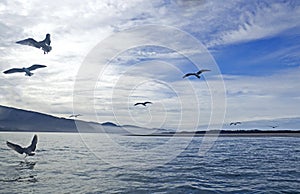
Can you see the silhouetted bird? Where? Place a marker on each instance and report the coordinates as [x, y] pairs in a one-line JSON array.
[[235, 123], [29, 151], [273, 126], [195, 74], [44, 44], [24, 69], [142, 103], [75, 115]]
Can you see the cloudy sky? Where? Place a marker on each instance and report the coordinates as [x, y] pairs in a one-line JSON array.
[[107, 55]]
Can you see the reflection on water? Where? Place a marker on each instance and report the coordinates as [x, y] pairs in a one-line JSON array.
[[21, 172], [26, 165], [30, 178]]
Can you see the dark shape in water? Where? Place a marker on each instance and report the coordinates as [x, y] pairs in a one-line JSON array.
[[26, 165]]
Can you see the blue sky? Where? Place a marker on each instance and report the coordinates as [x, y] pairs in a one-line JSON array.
[[259, 57], [252, 48]]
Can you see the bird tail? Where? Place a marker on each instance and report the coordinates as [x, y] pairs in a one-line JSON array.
[[198, 76]]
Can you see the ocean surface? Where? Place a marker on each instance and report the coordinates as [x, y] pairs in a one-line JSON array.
[[101, 163]]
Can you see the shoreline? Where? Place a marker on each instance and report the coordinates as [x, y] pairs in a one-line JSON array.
[[225, 134], [213, 133]]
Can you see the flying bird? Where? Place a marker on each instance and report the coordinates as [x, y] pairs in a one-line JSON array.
[[75, 115], [44, 44], [142, 103], [24, 69], [29, 151], [273, 126], [197, 74], [235, 123]]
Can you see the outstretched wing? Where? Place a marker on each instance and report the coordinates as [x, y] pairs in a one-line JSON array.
[[188, 74], [32, 146], [139, 103], [147, 102], [235, 123], [36, 66], [202, 70], [47, 39], [13, 70], [273, 126], [15, 147], [29, 42]]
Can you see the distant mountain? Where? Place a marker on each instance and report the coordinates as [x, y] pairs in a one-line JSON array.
[[13, 119], [110, 124], [268, 124]]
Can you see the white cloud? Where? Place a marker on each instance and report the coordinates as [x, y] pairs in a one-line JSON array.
[[274, 96], [266, 20]]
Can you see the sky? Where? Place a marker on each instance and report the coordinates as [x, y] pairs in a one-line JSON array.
[[108, 55]]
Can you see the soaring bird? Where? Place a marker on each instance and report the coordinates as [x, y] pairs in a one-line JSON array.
[[44, 44], [197, 74], [273, 126], [75, 115], [24, 69], [29, 151], [142, 103], [235, 123]]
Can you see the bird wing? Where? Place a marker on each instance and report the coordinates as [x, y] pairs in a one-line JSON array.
[[272, 126], [32, 146], [35, 66], [147, 102], [137, 104], [13, 70], [15, 147], [231, 124], [188, 74], [202, 70], [29, 42], [47, 39]]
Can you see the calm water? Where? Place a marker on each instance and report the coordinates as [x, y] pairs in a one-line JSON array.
[[89, 163]]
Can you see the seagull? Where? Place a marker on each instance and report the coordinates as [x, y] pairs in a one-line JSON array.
[[29, 151], [25, 69], [196, 74], [142, 103], [75, 115], [235, 123], [273, 126], [44, 44]]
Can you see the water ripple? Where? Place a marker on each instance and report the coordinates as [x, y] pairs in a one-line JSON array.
[[238, 165]]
